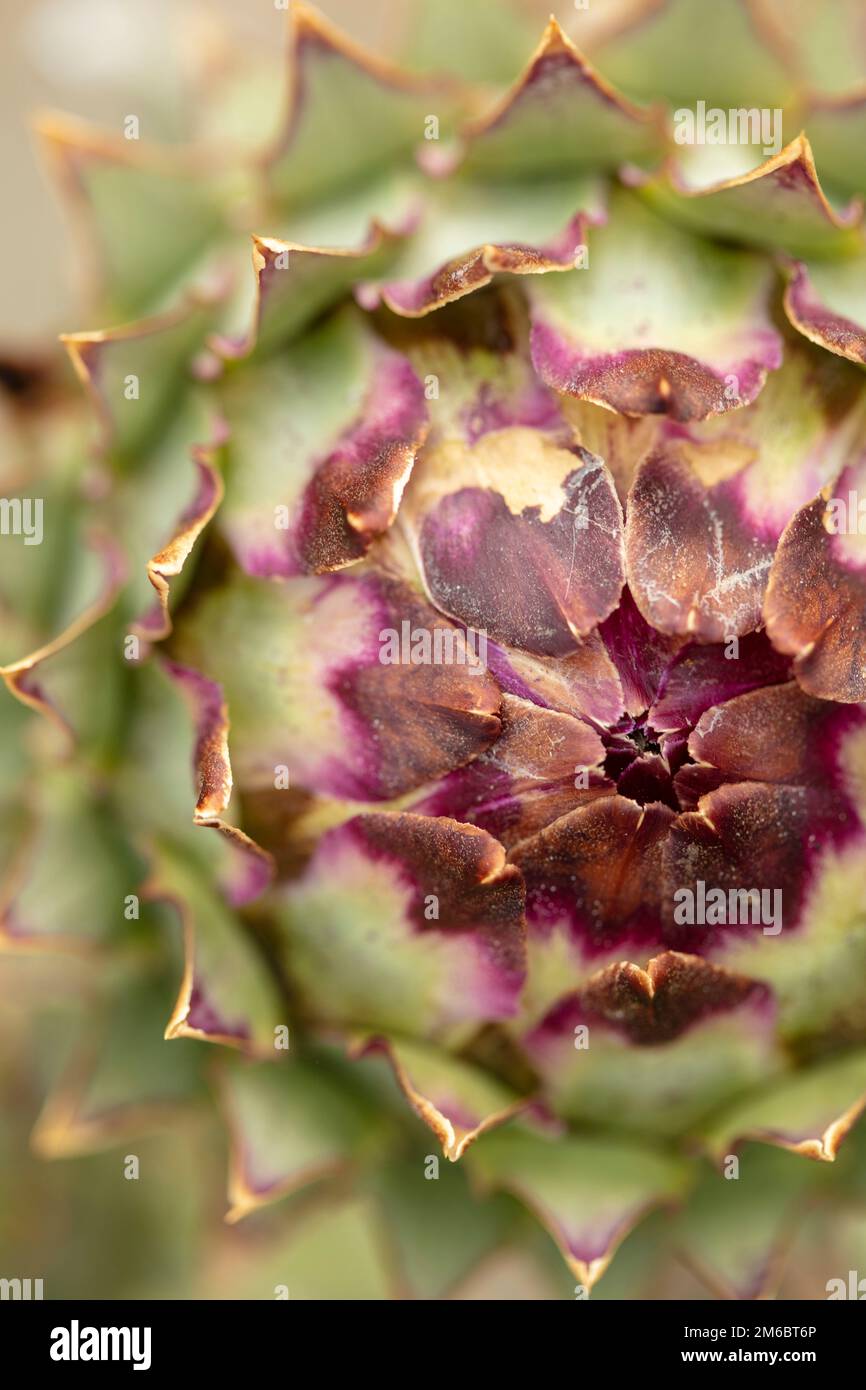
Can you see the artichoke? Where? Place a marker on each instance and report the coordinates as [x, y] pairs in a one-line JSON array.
[[435, 791]]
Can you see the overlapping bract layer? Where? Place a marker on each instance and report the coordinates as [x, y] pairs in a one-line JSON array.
[[603, 496]]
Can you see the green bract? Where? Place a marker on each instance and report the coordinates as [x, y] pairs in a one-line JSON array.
[[462, 517]]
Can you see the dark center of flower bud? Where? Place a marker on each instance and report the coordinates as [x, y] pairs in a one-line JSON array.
[[637, 762], [641, 738]]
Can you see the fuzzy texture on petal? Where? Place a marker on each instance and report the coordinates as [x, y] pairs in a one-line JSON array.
[[656, 1050], [537, 526], [695, 569], [528, 778], [409, 923], [336, 680], [322, 439], [657, 323], [815, 607], [701, 676], [468, 236], [594, 876]]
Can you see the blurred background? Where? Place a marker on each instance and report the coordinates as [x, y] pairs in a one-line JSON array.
[[106, 59], [78, 1224], [102, 60]]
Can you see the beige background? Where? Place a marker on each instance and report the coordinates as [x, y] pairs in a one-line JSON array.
[[105, 59], [99, 59]]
